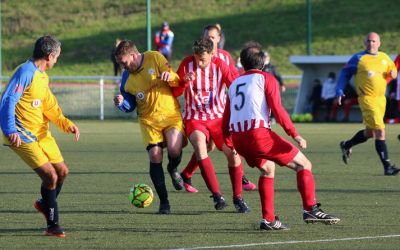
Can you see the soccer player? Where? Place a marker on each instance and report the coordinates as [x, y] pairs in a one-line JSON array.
[[146, 85], [214, 33], [251, 98], [372, 69], [204, 79], [27, 105]]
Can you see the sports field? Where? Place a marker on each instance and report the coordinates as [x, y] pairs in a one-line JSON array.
[[95, 211]]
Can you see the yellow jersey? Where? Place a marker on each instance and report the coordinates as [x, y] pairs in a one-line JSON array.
[[145, 90], [27, 105]]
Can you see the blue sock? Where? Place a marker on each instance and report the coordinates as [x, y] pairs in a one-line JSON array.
[[158, 179], [58, 188], [50, 205]]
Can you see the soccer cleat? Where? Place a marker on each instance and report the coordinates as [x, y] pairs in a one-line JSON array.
[[274, 225], [177, 180], [219, 202], [241, 206], [392, 170], [248, 185], [317, 215], [164, 208], [345, 152], [187, 184], [39, 206], [55, 230]]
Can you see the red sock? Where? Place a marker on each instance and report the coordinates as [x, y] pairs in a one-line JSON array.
[[236, 174], [306, 187], [208, 173], [266, 191], [191, 167]]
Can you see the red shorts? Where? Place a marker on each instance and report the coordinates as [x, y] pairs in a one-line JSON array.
[[262, 144], [212, 129]]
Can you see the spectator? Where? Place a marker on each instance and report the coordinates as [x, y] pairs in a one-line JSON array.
[[269, 68], [349, 101], [117, 67], [163, 40], [221, 42], [315, 98], [328, 93]]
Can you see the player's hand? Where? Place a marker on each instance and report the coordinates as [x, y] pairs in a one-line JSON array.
[[118, 99], [14, 139], [283, 88], [165, 76], [75, 130], [189, 77], [339, 99], [301, 142], [393, 74]]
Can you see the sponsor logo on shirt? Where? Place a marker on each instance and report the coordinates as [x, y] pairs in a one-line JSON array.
[[151, 71], [36, 103], [140, 95], [370, 73]]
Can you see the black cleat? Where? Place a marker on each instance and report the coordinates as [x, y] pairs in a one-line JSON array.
[[392, 170], [164, 208], [219, 202], [274, 225], [345, 152], [55, 230], [241, 206], [177, 180], [398, 137], [317, 215]]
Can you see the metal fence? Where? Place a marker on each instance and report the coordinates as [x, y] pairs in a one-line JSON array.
[[91, 97]]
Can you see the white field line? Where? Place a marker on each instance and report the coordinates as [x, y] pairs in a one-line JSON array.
[[291, 242]]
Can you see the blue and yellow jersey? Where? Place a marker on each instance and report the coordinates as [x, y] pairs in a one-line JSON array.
[[28, 104], [371, 74], [144, 89]]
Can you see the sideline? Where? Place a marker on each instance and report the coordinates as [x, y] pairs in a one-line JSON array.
[[291, 242]]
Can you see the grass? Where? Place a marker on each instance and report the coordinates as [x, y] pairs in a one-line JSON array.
[[96, 213], [88, 29]]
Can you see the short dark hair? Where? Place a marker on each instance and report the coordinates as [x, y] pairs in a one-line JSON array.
[[44, 46], [204, 44], [125, 47], [252, 44], [251, 58], [332, 75]]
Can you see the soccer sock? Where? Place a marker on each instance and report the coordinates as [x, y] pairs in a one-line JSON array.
[[381, 149], [358, 138], [191, 167], [173, 162], [50, 205], [58, 188], [266, 191], [158, 179], [306, 187], [208, 173], [236, 173]]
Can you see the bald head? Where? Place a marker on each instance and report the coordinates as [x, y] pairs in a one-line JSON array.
[[372, 42]]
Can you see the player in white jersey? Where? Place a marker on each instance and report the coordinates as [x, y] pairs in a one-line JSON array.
[[204, 79], [251, 98]]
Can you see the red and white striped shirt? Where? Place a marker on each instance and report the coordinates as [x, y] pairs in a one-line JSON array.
[[227, 58], [205, 97], [251, 97]]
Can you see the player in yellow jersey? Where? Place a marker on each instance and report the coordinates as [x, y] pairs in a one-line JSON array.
[[145, 85], [372, 70], [27, 105]]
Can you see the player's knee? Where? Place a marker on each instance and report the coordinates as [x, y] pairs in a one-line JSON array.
[[50, 179]]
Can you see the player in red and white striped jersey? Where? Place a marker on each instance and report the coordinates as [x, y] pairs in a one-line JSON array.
[[204, 79], [251, 98], [214, 33]]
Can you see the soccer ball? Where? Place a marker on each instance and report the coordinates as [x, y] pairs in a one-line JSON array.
[[295, 117], [141, 195]]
